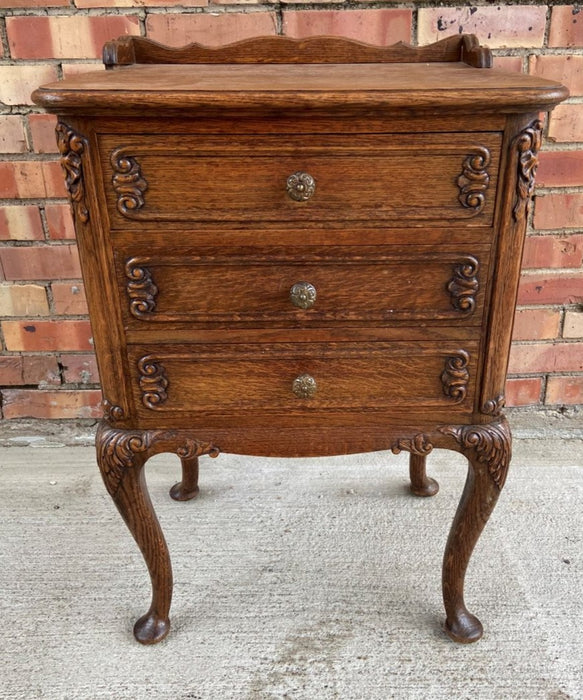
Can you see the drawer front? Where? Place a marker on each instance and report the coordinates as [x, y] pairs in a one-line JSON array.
[[304, 377], [412, 178], [304, 286]]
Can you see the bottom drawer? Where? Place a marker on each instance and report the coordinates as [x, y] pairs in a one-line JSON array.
[[303, 377]]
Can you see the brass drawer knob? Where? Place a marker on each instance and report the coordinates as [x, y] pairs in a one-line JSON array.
[[301, 186], [303, 295], [304, 386]]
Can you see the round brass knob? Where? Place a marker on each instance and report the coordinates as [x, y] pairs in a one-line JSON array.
[[301, 186], [304, 386], [302, 295]]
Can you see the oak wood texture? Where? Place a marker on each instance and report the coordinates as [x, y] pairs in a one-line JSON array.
[[361, 178], [299, 248], [279, 49]]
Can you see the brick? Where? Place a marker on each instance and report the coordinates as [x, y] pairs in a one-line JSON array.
[[546, 358], [560, 169], [69, 298], [566, 26], [12, 137], [141, 3], [80, 369], [566, 123], [511, 64], [573, 326], [551, 288], [43, 262], [523, 391], [18, 82], [42, 129], [553, 251], [564, 69], [76, 36], [31, 179], [564, 390], [29, 403], [23, 300], [502, 26], [536, 324], [209, 29], [558, 211], [71, 69], [378, 27], [20, 223], [59, 221], [29, 370], [33, 3], [44, 336]]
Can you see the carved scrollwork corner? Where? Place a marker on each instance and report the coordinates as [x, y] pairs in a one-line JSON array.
[[128, 182], [455, 376], [111, 412], [474, 179], [527, 145], [72, 147], [417, 445], [491, 444], [464, 285], [141, 288], [194, 448], [118, 450], [153, 382], [494, 406]]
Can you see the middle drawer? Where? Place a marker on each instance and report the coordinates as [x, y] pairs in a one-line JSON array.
[[304, 287]]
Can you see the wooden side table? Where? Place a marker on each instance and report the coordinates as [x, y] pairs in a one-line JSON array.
[[298, 248]]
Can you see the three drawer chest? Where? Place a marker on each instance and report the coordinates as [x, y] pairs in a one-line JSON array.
[[298, 248]]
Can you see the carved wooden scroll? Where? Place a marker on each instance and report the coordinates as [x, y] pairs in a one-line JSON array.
[[492, 445], [72, 146], [140, 288], [128, 182], [527, 143], [474, 180], [417, 445], [111, 412], [153, 382], [464, 285], [455, 376], [494, 406]]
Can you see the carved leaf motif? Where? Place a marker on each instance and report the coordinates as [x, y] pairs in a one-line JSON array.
[[128, 182], [195, 448], [116, 451], [111, 412], [455, 376], [72, 146], [464, 285], [527, 144], [474, 179], [417, 445], [491, 443], [140, 288], [153, 382], [494, 407]]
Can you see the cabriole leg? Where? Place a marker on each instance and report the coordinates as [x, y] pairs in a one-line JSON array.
[[421, 484], [188, 487], [121, 455], [488, 450]]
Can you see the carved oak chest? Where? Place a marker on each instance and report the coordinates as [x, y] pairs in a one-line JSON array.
[[301, 248]]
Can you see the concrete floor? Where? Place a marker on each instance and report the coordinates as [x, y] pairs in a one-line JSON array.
[[302, 579]]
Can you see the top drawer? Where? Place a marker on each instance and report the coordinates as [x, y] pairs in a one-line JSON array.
[[391, 178]]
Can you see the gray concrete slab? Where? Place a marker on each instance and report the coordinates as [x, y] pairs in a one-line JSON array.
[[305, 579]]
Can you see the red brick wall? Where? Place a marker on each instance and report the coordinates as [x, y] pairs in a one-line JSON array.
[[47, 368]]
